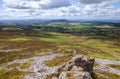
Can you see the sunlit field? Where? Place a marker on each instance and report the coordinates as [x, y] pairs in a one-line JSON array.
[[20, 44]]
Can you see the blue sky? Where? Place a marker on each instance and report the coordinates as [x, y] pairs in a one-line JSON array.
[[57, 9], [117, 4], [1, 4]]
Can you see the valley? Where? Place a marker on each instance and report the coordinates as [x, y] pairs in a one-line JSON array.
[[35, 49]]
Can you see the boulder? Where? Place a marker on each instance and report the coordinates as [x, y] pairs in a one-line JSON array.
[[79, 67]]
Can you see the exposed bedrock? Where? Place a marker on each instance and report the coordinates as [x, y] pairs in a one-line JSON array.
[[79, 67]]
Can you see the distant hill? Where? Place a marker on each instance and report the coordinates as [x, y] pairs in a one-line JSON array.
[[113, 22], [59, 20]]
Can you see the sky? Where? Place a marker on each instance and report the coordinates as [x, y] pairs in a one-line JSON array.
[[59, 9]]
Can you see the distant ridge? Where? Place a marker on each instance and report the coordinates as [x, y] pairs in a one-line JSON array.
[[59, 20], [26, 21]]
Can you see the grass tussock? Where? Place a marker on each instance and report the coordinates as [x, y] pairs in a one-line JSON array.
[[58, 39], [19, 39], [103, 56], [96, 64], [113, 66], [13, 65], [5, 58], [110, 75], [57, 61], [26, 64], [12, 74]]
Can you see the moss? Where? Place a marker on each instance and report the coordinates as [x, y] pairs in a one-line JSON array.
[[58, 38], [19, 39], [69, 75], [2, 64], [113, 76], [57, 61], [117, 49], [96, 76], [103, 56], [26, 64], [12, 56], [13, 65], [12, 74], [96, 64], [107, 46], [113, 66], [110, 75]]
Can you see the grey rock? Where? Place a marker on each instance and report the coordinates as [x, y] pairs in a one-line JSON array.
[[102, 66], [79, 67]]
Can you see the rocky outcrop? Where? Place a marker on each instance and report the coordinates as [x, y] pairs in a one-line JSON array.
[[79, 67], [102, 66]]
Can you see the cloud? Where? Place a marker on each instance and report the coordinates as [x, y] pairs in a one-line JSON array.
[[91, 1], [95, 1], [42, 4], [59, 9], [48, 4]]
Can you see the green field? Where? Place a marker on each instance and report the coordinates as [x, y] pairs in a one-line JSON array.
[[80, 38]]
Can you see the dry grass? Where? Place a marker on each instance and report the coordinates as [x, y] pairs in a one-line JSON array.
[[57, 61], [96, 64], [110, 75], [12, 74], [13, 65], [113, 66], [26, 64]]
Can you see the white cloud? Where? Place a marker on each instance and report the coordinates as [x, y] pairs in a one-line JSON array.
[[48, 4], [59, 9], [42, 4]]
